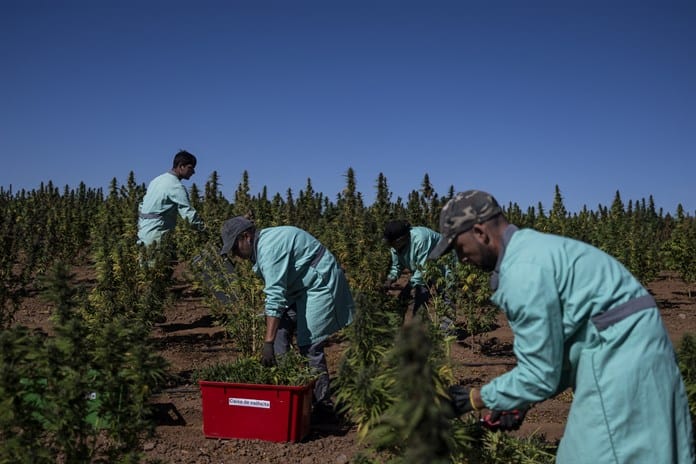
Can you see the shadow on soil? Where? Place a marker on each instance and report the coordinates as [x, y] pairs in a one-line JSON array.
[[321, 430], [166, 414], [206, 321], [494, 347]]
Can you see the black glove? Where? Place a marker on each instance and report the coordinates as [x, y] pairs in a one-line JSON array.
[[405, 292], [505, 420], [461, 402], [422, 296], [268, 355]]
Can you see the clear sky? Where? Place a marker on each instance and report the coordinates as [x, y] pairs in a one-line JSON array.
[[513, 97]]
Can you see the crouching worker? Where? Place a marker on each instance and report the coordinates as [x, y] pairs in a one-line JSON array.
[[307, 294], [580, 320]]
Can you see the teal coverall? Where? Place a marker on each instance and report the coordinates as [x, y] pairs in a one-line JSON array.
[[297, 270], [413, 257], [165, 197], [581, 320], [306, 289]]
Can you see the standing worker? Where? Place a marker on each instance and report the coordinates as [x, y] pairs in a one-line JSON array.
[[306, 292], [580, 320], [165, 197], [409, 248]]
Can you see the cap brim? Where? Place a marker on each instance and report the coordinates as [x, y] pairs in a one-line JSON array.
[[225, 249], [441, 248]]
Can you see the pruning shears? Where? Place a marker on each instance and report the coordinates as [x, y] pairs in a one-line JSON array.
[[488, 423], [503, 420]]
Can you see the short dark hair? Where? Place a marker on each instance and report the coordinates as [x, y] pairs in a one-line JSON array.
[[183, 158], [396, 229]]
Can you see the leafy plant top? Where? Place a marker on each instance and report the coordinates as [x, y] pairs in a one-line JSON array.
[[291, 370]]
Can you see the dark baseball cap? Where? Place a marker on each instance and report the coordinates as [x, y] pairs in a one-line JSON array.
[[231, 229], [460, 214], [396, 229]]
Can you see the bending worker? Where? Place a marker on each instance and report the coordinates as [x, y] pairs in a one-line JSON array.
[[165, 197], [306, 292], [409, 248], [580, 320]]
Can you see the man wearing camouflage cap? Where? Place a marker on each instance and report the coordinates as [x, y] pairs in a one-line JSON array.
[[580, 321]]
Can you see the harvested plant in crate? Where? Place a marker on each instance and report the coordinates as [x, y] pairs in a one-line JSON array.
[[292, 369]]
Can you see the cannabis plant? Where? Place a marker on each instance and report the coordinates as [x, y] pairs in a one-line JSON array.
[[419, 425], [235, 297], [81, 394], [687, 365], [362, 386], [470, 294], [22, 387], [502, 448]]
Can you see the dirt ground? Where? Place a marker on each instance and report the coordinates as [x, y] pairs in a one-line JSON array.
[[189, 339]]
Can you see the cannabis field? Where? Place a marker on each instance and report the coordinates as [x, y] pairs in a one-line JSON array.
[[89, 373]]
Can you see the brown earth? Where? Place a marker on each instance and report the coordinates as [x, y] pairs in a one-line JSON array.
[[189, 339]]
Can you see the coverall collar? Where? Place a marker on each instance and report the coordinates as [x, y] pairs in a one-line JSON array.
[[507, 235], [254, 246]]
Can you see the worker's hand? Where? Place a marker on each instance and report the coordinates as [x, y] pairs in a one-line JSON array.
[[422, 290], [268, 355], [505, 420], [405, 293], [387, 285], [461, 399], [422, 295]]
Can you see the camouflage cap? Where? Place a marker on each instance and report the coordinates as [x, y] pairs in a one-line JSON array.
[[231, 229], [460, 214]]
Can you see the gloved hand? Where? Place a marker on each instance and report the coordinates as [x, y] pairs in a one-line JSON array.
[[422, 296], [505, 420], [268, 354], [461, 402], [405, 292]]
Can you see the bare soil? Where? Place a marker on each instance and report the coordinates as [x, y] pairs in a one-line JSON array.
[[189, 339]]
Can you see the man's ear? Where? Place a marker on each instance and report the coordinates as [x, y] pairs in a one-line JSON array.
[[481, 233]]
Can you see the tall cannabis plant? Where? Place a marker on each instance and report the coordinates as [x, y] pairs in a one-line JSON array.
[[22, 386], [362, 386], [470, 294], [235, 297], [132, 281], [67, 363], [419, 425]]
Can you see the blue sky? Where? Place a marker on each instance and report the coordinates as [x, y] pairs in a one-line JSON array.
[[513, 97]]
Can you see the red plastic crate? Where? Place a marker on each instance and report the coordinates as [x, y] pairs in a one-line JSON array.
[[263, 412]]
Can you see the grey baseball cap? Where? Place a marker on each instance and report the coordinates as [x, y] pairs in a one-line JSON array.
[[231, 229], [460, 214]]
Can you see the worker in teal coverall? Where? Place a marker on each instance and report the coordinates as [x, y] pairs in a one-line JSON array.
[[165, 198], [580, 320], [409, 248], [306, 292]]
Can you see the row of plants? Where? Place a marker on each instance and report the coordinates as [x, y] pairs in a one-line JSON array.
[[108, 322], [46, 225]]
